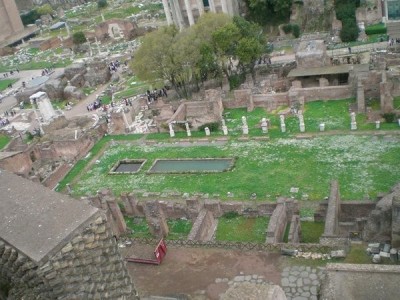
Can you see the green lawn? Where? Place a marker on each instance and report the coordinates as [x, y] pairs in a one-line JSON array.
[[364, 166], [5, 82], [179, 229], [139, 227], [4, 140], [311, 231], [242, 229]]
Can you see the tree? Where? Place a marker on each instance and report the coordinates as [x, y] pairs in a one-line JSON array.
[[78, 38], [269, 11], [102, 4], [45, 9]]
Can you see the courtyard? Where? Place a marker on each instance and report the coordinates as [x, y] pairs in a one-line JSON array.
[[267, 166]]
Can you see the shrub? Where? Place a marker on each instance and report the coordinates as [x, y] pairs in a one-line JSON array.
[[45, 9], [389, 117], [287, 28], [296, 30], [30, 17], [376, 29], [349, 31], [102, 3], [230, 215], [214, 126], [78, 38], [236, 80]]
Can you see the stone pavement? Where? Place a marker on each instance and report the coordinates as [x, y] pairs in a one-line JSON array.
[[302, 283]]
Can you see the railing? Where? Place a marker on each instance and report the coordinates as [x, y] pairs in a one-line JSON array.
[[237, 245]]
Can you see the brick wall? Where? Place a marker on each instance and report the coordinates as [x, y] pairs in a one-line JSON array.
[[88, 266]]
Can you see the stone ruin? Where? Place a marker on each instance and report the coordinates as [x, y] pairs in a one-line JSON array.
[[66, 85], [48, 161], [68, 250]]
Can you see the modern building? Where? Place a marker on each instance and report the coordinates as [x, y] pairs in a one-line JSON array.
[[184, 13], [10, 21]]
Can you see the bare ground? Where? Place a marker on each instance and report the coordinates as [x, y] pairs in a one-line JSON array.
[[192, 271]]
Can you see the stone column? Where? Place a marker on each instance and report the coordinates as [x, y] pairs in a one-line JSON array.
[[167, 12], [189, 12], [396, 221], [156, 219], [224, 7], [212, 6], [200, 7], [177, 13], [386, 11], [360, 98]]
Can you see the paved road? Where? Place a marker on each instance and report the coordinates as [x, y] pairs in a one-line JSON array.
[[10, 101]]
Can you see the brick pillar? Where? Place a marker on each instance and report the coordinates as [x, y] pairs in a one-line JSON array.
[[114, 213], [156, 219]]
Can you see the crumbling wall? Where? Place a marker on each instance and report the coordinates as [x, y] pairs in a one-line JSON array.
[[333, 211], [89, 265], [295, 230], [204, 226], [277, 223]]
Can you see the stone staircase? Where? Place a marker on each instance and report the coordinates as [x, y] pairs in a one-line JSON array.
[[393, 29]]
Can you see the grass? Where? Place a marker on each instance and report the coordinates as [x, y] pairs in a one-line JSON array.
[[82, 163], [133, 87], [4, 140], [242, 229], [358, 255], [4, 83], [363, 165], [396, 103], [286, 234], [311, 231], [36, 65], [179, 229], [139, 227]]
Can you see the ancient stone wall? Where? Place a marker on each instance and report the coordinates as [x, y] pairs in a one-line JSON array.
[[106, 201], [333, 211], [51, 43], [351, 210], [204, 226], [18, 163], [379, 224], [277, 223], [326, 93], [396, 221], [175, 208], [295, 230], [68, 251], [89, 265], [370, 14]]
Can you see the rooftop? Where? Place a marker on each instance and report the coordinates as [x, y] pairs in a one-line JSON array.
[[301, 72], [38, 221]]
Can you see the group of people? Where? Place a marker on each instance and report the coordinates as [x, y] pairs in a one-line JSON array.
[[5, 75], [47, 71], [393, 41], [113, 66], [153, 95], [95, 105], [4, 122]]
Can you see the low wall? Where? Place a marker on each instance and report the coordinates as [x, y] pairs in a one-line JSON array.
[[175, 208], [55, 177], [325, 93], [277, 224], [333, 211], [295, 230], [204, 227], [270, 101]]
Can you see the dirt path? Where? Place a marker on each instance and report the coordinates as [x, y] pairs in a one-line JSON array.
[[193, 271]]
